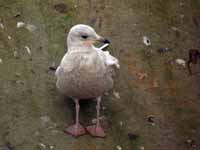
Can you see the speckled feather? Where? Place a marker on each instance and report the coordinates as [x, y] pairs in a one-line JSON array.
[[86, 73]]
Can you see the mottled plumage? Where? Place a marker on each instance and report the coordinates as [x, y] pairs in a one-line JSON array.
[[85, 71]]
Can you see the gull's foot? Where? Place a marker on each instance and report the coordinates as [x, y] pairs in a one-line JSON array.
[[96, 131], [75, 131]]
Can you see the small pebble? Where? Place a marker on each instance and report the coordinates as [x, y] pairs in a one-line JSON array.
[[174, 28], [1, 61], [150, 119], [146, 41], [17, 74], [9, 37], [52, 147], [121, 123], [31, 27], [142, 75], [116, 94], [28, 50], [15, 54], [20, 82], [20, 24], [190, 142], [42, 145], [1, 25], [181, 62], [18, 14], [118, 147]]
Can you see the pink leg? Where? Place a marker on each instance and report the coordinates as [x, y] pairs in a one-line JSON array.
[[76, 129], [97, 130]]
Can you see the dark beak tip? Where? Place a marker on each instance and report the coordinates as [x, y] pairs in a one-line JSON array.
[[106, 41]]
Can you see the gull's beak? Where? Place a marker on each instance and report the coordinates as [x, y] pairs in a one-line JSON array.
[[103, 40]]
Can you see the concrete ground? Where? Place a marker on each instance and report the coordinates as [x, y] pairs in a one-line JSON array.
[[158, 103]]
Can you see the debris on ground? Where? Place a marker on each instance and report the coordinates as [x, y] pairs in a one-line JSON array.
[[20, 24], [41, 145], [146, 41], [20, 82], [1, 26], [17, 74], [53, 67], [28, 50], [141, 75], [181, 62], [132, 136], [9, 37], [164, 50], [51, 147], [31, 27], [151, 120], [174, 28], [18, 14], [116, 94], [121, 123], [190, 142], [155, 83], [15, 54], [61, 8], [118, 147], [1, 61]]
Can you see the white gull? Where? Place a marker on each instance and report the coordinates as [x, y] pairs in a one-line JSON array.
[[85, 72]]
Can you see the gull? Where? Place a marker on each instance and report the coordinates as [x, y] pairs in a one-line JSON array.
[[85, 72]]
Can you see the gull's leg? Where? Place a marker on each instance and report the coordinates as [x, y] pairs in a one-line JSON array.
[[97, 130], [76, 129]]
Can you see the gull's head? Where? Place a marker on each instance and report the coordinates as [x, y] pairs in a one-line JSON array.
[[84, 36]]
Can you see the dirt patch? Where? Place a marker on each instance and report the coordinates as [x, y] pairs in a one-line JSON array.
[[61, 8]]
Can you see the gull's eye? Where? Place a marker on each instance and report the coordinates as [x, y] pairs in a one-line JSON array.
[[84, 36]]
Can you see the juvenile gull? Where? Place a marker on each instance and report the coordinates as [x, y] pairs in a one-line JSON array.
[[85, 72]]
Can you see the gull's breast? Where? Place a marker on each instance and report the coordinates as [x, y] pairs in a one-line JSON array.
[[84, 76]]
